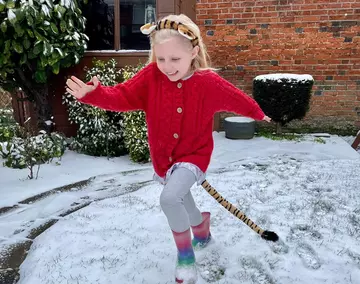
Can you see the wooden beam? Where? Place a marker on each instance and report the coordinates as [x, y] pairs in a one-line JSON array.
[[356, 142], [165, 7], [117, 44]]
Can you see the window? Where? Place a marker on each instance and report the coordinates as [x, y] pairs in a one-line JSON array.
[[115, 24], [100, 17]]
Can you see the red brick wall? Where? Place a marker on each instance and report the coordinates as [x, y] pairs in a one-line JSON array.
[[316, 37]]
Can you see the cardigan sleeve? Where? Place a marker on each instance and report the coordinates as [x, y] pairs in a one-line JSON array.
[[127, 96], [227, 97]]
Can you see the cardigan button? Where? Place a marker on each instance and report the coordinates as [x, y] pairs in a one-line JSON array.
[[179, 85], [170, 159], [179, 110], [176, 136]]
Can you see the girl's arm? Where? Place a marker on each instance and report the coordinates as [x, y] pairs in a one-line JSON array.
[[127, 96], [227, 97]]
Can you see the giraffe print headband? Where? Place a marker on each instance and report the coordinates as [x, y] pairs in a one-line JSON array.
[[149, 28]]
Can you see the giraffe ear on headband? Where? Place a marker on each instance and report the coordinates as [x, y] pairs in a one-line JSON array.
[[166, 24]]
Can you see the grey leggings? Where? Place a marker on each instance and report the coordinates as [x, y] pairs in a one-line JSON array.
[[177, 202]]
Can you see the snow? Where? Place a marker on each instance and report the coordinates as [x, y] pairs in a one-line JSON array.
[[74, 167], [306, 192], [66, 3], [45, 10], [11, 15], [239, 119], [287, 76]]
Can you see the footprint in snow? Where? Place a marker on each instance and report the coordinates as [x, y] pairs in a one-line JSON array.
[[308, 256], [208, 263], [278, 247], [254, 271], [302, 231]]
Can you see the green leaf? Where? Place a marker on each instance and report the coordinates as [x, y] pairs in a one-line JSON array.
[[31, 55], [19, 31], [29, 19], [26, 42], [23, 59], [17, 47], [49, 3], [60, 9], [5, 59], [38, 48], [7, 46], [62, 26], [40, 76], [30, 33], [71, 24], [10, 4], [34, 12], [56, 68], [54, 28], [42, 62], [48, 49], [11, 16], [59, 51], [19, 14], [3, 74], [39, 36], [39, 18], [3, 27], [2, 6]]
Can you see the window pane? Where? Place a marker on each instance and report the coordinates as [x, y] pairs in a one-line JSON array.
[[100, 24], [133, 14]]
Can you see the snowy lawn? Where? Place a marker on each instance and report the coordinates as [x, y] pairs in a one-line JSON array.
[[308, 193], [73, 167]]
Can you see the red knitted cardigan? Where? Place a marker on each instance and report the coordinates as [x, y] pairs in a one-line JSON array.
[[179, 115]]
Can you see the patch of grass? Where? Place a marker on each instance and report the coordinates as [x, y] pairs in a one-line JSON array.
[[319, 140], [277, 137]]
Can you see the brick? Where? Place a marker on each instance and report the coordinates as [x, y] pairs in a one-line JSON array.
[[224, 5], [301, 36]]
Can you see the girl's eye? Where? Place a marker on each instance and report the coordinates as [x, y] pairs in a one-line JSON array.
[[161, 59], [175, 59]]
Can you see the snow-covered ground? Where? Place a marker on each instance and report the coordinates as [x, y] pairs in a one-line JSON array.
[[307, 192], [74, 167]]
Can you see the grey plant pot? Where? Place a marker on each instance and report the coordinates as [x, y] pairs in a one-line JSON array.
[[239, 127]]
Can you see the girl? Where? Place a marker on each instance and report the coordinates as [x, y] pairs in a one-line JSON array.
[[180, 94]]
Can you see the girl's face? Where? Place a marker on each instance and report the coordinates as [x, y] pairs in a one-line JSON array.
[[174, 56]]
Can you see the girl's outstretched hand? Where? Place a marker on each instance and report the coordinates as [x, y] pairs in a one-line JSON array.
[[267, 119], [78, 88]]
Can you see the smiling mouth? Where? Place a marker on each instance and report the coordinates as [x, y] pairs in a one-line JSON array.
[[172, 74]]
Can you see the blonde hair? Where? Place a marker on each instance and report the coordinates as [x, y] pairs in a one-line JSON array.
[[202, 59]]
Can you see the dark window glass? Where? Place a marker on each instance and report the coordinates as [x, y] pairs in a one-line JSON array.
[[100, 24], [133, 14]]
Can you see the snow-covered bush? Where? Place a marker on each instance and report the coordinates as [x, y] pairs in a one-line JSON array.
[[7, 132], [8, 126], [27, 152], [135, 128], [38, 39], [106, 133], [283, 97], [100, 132]]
